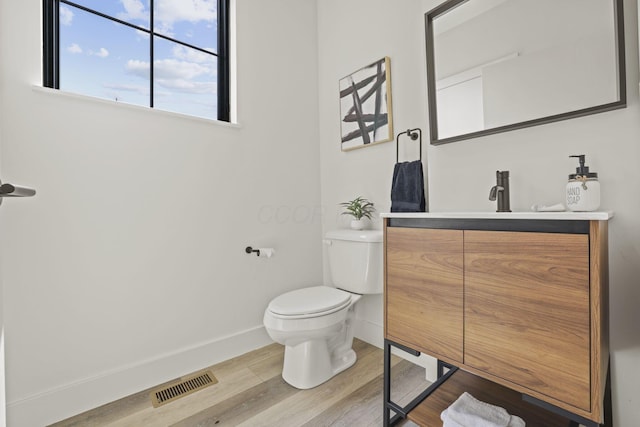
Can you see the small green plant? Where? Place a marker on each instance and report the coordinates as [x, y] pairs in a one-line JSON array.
[[358, 208]]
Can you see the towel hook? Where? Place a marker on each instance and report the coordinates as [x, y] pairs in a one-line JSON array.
[[413, 134]]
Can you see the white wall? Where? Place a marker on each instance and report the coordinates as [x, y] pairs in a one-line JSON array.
[[3, 398], [128, 267], [357, 32], [353, 34]]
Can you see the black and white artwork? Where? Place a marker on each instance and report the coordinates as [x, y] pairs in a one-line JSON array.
[[365, 106]]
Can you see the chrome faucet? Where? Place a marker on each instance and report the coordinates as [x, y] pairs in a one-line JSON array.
[[500, 191]]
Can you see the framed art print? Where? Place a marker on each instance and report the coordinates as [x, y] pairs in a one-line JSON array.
[[365, 106]]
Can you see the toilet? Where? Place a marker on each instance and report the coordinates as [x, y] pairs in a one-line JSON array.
[[315, 324]]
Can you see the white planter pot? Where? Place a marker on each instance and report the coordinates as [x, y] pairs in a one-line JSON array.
[[357, 224]]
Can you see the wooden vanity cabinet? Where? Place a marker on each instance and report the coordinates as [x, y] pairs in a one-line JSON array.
[[424, 284], [527, 311], [523, 306]]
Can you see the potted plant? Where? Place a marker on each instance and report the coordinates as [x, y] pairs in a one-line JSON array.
[[358, 208]]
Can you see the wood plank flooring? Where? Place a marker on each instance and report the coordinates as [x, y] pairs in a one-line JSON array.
[[251, 392]]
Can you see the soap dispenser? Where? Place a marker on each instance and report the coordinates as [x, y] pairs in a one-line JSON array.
[[583, 189]]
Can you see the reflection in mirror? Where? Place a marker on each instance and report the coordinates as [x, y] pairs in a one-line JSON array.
[[498, 65]]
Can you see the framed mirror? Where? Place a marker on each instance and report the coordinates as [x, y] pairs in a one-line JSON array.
[[500, 65]]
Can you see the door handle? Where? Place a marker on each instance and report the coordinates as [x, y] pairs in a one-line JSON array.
[[10, 190]]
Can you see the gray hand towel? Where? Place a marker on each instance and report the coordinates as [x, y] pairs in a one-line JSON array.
[[407, 188]]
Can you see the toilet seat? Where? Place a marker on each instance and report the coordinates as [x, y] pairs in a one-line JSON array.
[[309, 302]]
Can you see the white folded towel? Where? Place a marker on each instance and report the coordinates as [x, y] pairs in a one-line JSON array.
[[467, 411], [447, 421]]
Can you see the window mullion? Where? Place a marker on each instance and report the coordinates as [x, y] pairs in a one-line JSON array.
[[223, 61], [183, 43], [56, 45], [151, 52], [51, 33]]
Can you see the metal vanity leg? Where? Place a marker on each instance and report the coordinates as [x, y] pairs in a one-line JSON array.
[[608, 407], [388, 420], [387, 383], [389, 405]]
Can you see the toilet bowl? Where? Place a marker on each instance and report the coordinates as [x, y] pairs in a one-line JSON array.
[[315, 324], [317, 342]]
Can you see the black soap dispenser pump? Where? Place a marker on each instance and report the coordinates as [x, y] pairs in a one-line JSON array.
[[583, 189]]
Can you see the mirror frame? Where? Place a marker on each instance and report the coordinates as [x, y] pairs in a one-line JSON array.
[[431, 80]]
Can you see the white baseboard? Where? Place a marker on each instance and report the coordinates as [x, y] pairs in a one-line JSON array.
[[369, 332], [374, 334], [70, 399]]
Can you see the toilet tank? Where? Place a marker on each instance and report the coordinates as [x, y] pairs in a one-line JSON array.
[[355, 260]]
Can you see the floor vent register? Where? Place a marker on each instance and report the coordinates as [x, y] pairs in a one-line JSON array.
[[182, 387]]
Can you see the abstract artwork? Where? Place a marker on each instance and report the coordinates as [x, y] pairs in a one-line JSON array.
[[365, 106]]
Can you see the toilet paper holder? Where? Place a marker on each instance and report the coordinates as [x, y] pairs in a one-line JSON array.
[[261, 252], [250, 250]]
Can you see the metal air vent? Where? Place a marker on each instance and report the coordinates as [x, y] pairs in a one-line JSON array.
[[183, 387]]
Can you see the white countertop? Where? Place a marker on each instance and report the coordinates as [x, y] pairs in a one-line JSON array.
[[597, 216]]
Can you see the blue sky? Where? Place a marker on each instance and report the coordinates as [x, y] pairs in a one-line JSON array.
[[102, 58]]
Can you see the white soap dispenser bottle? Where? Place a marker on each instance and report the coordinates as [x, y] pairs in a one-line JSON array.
[[583, 189]]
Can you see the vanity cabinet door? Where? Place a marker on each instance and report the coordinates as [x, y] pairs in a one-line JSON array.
[[424, 290], [527, 311]]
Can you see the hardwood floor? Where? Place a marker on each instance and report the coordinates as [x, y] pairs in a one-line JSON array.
[[251, 392]]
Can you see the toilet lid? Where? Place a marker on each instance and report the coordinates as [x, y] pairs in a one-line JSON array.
[[309, 301]]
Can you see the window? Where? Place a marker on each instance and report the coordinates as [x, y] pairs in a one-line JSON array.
[[165, 54]]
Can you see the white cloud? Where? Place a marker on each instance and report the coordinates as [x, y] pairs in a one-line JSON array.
[[176, 75], [188, 71], [66, 15], [102, 53], [142, 35], [176, 69], [168, 69], [192, 55], [167, 12], [164, 28], [74, 48], [138, 68], [134, 10]]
